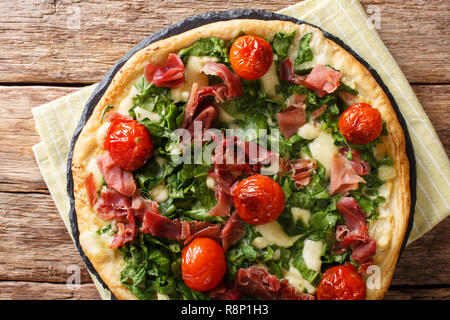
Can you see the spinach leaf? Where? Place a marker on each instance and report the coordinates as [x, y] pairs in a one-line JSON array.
[[304, 51], [281, 43], [212, 47]]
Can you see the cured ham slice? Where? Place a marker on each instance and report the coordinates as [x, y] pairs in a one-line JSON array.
[[301, 170], [360, 166], [290, 120], [321, 79], [89, 183], [355, 234], [317, 113], [171, 75], [232, 231], [126, 230], [223, 205], [116, 178], [343, 177], [112, 204], [225, 292], [231, 88], [259, 283]]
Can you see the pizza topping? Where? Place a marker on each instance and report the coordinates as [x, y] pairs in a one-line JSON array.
[[171, 75], [223, 205], [232, 231], [290, 120], [207, 117], [301, 170], [361, 166], [360, 123], [259, 283], [229, 89], [317, 113], [355, 234], [225, 292], [112, 204], [251, 57], [258, 199], [322, 79], [343, 177], [341, 283], [116, 178], [203, 264], [90, 189], [126, 227], [129, 144]]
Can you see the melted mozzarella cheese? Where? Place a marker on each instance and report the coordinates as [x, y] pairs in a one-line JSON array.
[[386, 173], [272, 233], [160, 193], [312, 250], [323, 149], [192, 75], [295, 279], [97, 245], [127, 101], [303, 214], [211, 183], [309, 131], [93, 168], [141, 114], [101, 133], [269, 82]]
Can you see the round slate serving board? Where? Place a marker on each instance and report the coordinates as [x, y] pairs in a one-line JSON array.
[[191, 23]]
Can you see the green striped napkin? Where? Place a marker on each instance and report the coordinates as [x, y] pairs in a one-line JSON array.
[[346, 19]]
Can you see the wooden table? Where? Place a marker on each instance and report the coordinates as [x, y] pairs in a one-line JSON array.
[[51, 48]]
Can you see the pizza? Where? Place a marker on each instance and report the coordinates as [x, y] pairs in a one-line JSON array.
[[243, 159]]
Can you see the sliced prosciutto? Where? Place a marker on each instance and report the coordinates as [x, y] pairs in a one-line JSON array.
[[204, 120], [112, 204], [343, 177], [321, 79], [89, 183], [116, 178], [259, 283], [355, 233], [126, 230], [232, 231], [361, 166], [230, 89], [290, 120], [171, 75], [225, 292], [301, 170], [223, 205], [317, 113]]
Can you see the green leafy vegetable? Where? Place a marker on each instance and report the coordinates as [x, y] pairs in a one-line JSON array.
[[281, 43], [212, 47], [304, 51]]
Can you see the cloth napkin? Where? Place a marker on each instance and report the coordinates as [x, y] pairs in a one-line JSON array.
[[346, 19]]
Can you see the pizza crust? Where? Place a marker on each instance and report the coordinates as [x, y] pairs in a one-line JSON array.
[[388, 230]]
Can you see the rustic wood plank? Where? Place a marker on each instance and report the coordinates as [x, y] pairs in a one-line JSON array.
[[418, 294], [34, 243], [66, 42], [21, 290], [18, 169]]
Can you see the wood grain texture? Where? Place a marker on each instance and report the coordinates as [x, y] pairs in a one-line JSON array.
[[77, 42], [20, 290]]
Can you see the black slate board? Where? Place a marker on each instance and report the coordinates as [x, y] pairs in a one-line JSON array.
[[191, 23]]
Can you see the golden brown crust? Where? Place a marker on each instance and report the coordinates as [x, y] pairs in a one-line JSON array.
[[388, 230]]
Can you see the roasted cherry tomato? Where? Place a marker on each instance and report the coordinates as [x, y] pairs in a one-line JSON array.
[[250, 57], [360, 123], [341, 283], [129, 143], [258, 199], [203, 264]]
